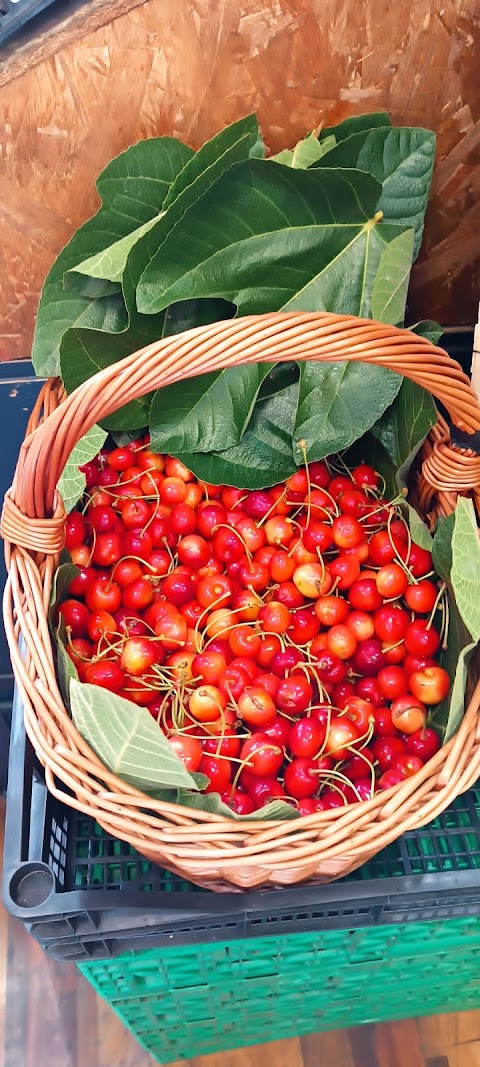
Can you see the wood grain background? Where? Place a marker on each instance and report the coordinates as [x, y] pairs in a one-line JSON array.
[[189, 68]]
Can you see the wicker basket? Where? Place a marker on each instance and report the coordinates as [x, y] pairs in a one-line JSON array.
[[208, 849]]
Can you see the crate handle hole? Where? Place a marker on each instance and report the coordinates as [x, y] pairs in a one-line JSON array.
[[31, 885]]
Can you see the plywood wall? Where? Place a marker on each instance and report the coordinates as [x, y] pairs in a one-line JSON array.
[[187, 68]]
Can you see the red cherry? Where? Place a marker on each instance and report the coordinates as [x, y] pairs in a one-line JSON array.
[[76, 617], [386, 750], [361, 712], [262, 755], [391, 623], [304, 626], [345, 570], [294, 694], [342, 692], [408, 765], [264, 790], [255, 706], [431, 685], [188, 749], [194, 551], [391, 778], [421, 639], [368, 689], [365, 475], [358, 766], [391, 581], [210, 666], [361, 624], [423, 743], [137, 543], [368, 659], [408, 714], [341, 735], [392, 682], [301, 778], [341, 641], [383, 723], [241, 803], [172, 630], [120, 459], [219, 771], [419, 561], [270, 682], [421, 597], [347, 531], [285, 661], [353, 502], [364, 596], [106, 673], [75, 530], [278, 730], [330, 668], [331, 610], [282, 566], [306, 737], [275, 617], [207, 703], [214, 591]]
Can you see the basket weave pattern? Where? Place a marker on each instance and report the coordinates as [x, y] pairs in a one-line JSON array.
[[208, 849]]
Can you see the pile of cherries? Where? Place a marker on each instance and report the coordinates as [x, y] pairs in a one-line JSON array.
[[283, 639]]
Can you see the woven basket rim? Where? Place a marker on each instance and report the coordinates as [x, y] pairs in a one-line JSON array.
[[215, 850]]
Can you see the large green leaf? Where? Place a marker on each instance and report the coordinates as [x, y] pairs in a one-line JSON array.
[[71, 484], [212, 802], [405, 425], [275, 228], [465, 572], [346, 276], [108, 264], [264, 455], [309, 150], [402, 160], [338, 402], [84, 352], [132, 189], [390, 285], [453, 541], [64, 574], [442, 547], [127, 739], [66, 670], [201, 170], [205, 413], [428, 328], [355, 124], [216, 156], [419, 531]]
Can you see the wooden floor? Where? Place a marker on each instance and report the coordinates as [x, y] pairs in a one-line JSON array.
[[51, 1017]]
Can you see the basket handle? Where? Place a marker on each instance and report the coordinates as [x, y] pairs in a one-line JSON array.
[[33, 515]]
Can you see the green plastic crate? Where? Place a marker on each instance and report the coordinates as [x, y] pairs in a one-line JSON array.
[[191, 1000]]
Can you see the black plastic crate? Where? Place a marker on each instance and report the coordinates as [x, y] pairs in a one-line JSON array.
[[15, 15], [19, 390], [83, 894]]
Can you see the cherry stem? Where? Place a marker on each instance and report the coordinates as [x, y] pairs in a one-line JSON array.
[[206, 611], [441, 594], [225, 526], [156, 496], [401, 563], [247, 763], [272, 509], [336, 775]]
